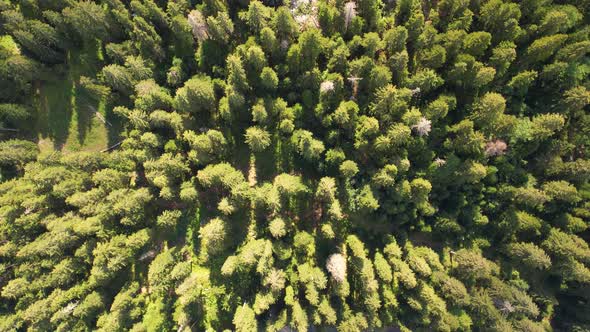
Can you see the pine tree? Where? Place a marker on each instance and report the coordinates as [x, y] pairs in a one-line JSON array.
[[196, 96]]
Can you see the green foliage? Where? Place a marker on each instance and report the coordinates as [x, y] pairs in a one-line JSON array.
[[529, 255], [269, 79], [501, 20], [206, 147], [307, 146], [258, 157], [223, 175], [155, 318], [348, 169], [88, 19], [257, 138], [212, 237], [542, 48], [476, 43], [115, 255], [16, 153], [196, 96]]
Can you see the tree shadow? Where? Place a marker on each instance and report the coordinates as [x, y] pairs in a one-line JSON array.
[[85, 62], [60, 97], [204, 213], [115, 124], [86, 109], [240, 157], [56, 109], [64, 107], [267, 163], [286, 153]]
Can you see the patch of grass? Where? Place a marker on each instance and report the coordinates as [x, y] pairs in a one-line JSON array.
[[67, 117], [55, 113], [95, 139]]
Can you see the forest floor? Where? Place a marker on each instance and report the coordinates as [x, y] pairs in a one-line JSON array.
[[68, 119]]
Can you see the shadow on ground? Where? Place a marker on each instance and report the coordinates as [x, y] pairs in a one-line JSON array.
[[68, 118]]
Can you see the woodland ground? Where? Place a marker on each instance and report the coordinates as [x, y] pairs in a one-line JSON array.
[[67, 117]]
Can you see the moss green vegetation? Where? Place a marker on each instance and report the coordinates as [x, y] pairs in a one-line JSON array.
[[182, 165], [69, 117]]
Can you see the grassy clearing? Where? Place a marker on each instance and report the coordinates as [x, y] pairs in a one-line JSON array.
[[90, 136], [55, 112], [67, 118]]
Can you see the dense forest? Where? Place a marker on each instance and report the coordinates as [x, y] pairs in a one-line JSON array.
[[188, 165]]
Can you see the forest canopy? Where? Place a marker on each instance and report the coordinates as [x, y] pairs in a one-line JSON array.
[[247, 165]]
